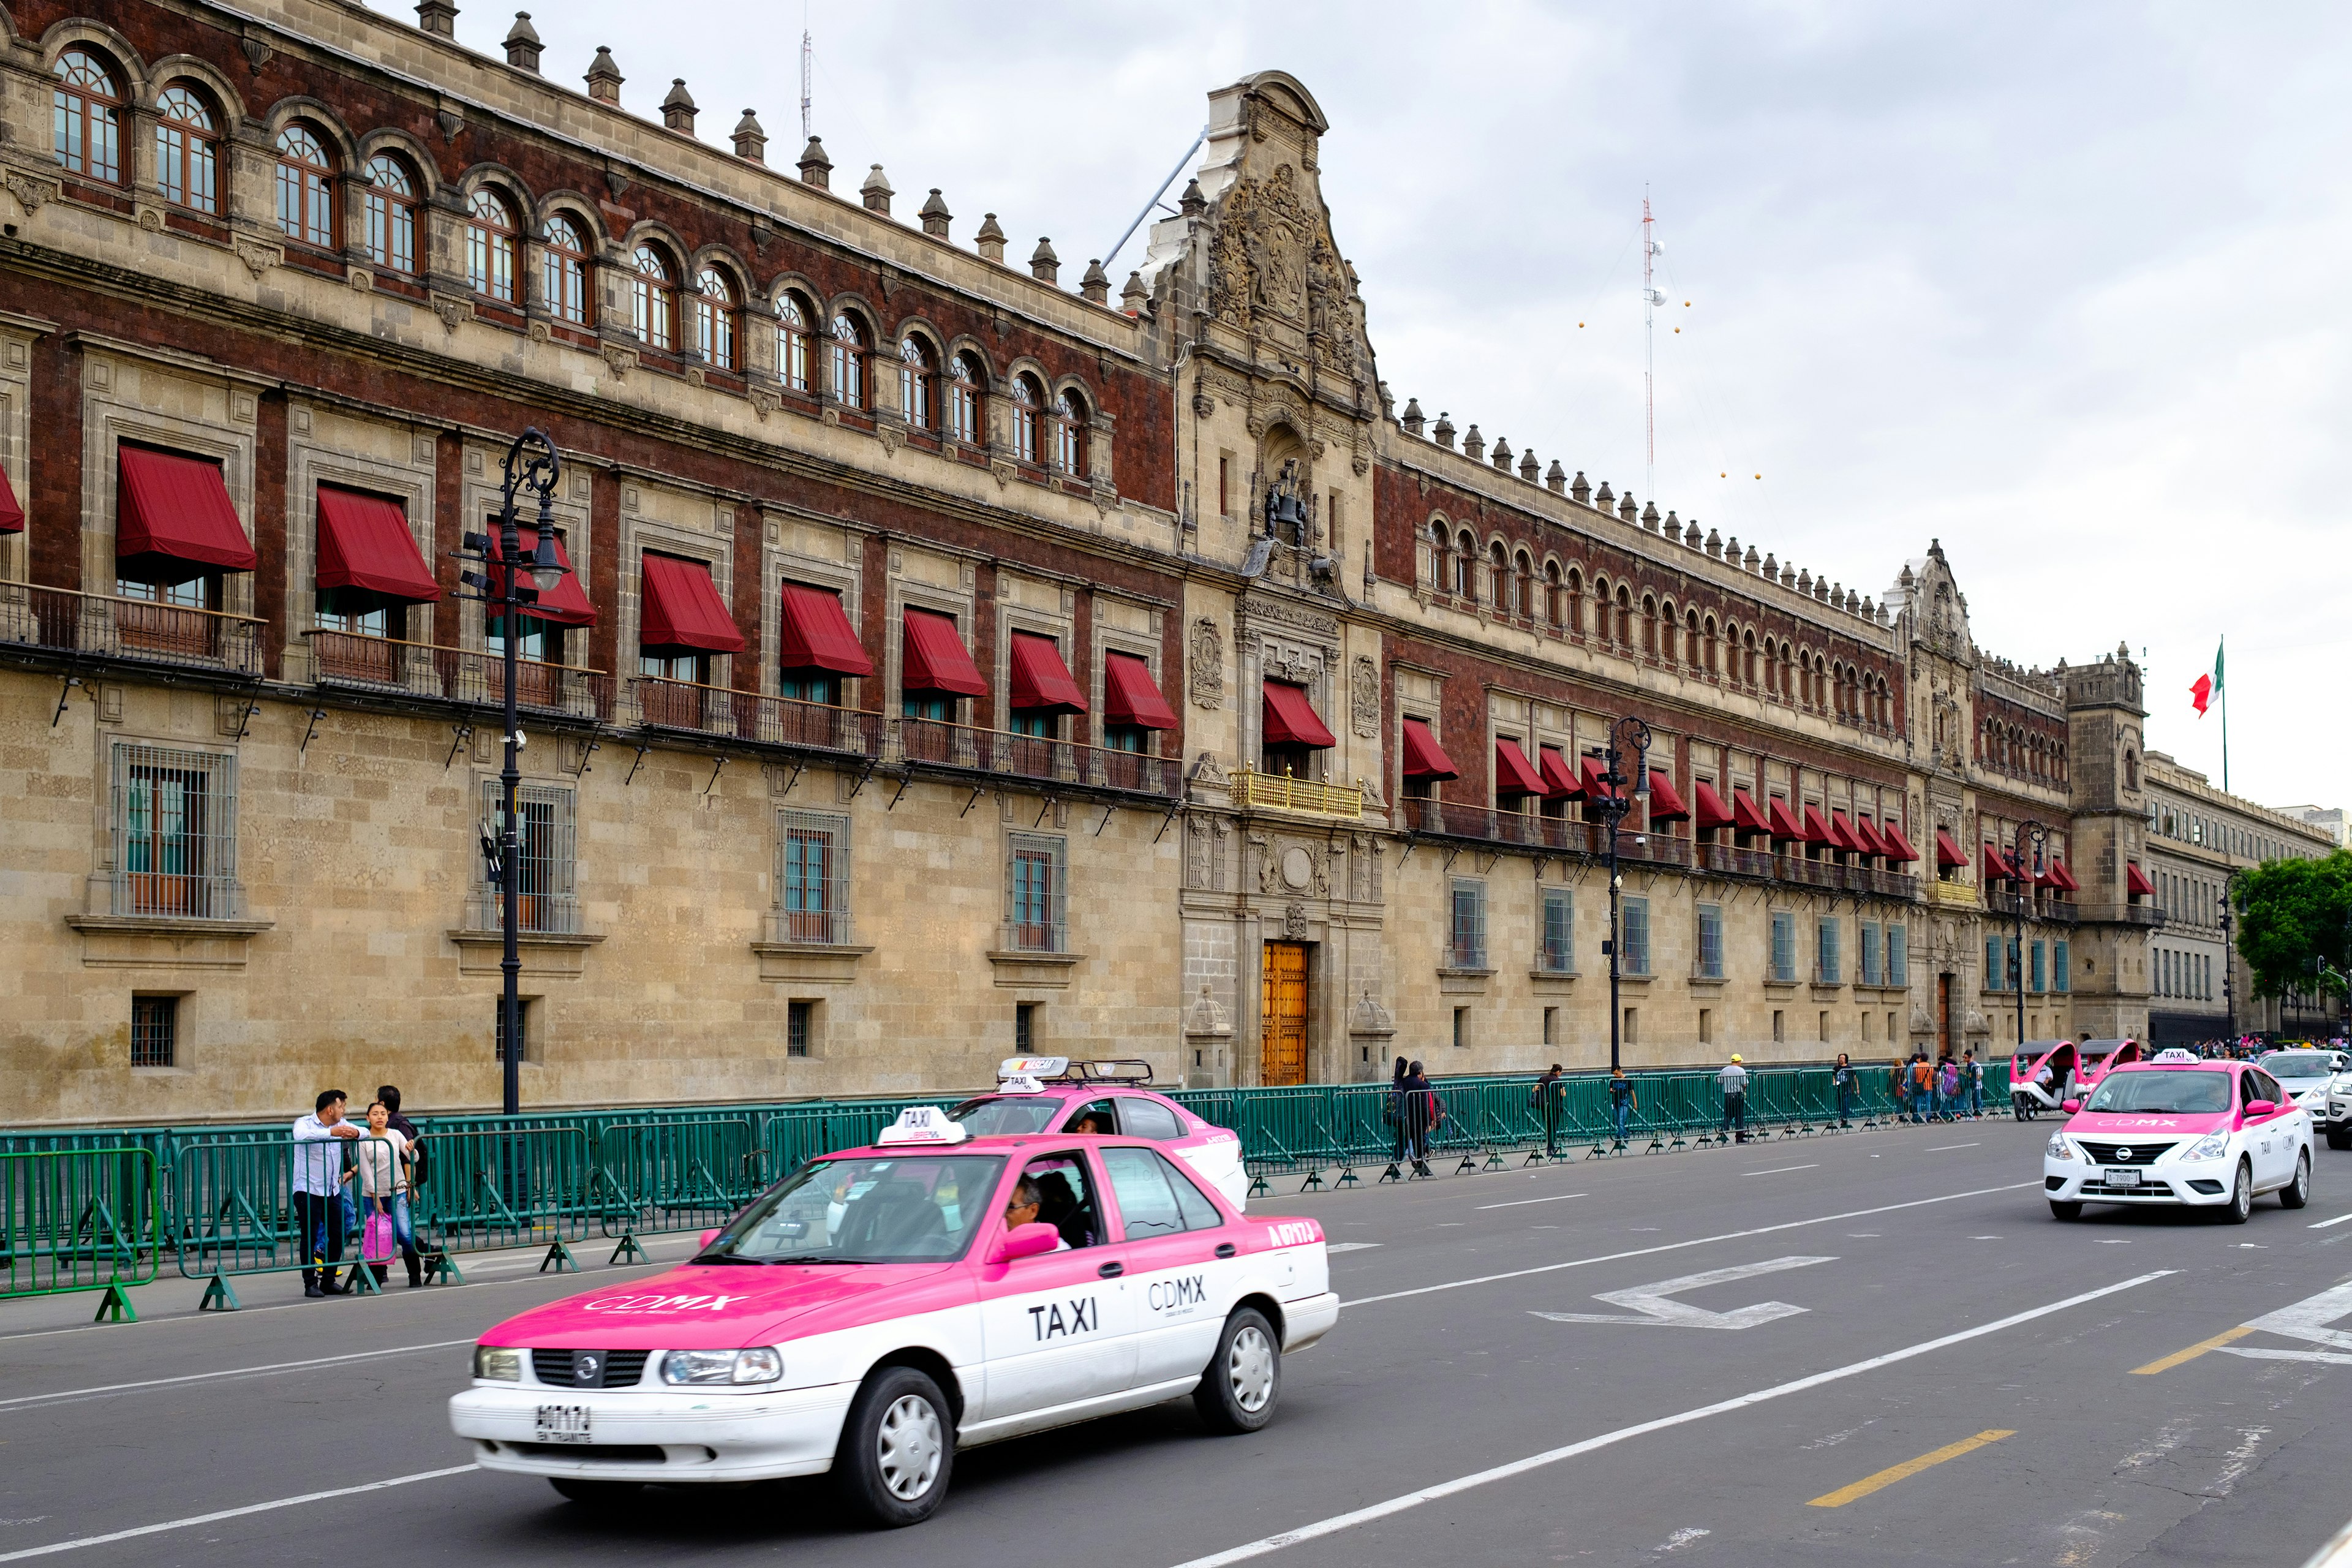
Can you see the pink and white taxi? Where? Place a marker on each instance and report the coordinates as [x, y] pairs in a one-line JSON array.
[[1056, 1094], [2180, 1130], [884, 1306]]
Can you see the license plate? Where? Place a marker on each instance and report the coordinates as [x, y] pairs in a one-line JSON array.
[[2115, 1179], [563, 1424]]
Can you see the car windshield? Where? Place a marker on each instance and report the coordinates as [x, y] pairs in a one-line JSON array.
[[2189, 1093], [1007, 1116], [2299, 1064], [903, 1209]]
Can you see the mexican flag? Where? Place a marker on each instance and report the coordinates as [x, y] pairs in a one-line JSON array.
[[2209, 685]]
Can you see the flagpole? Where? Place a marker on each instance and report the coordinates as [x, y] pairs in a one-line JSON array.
[[2224, 649]]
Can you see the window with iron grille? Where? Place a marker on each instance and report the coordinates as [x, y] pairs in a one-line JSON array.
[[2060, 978], [812, 877], [1466, 940], [1710, 942], [1557, 954], [1825, 949], [522, 1029], [1635, 957], [2040, 973], [1867, 940], [1784, 947], [154, 1031], [1034, 894], [175, 834], [545, 875], [800, 1026], [1992, 962], [1898, 943], [1024, 1027]]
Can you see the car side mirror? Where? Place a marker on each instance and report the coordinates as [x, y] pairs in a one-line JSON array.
[[2070, 1106], [702, 1242], [1025, 1241], [2261, 1107]]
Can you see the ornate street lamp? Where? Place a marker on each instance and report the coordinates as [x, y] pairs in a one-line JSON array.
[[513, 584], [1627, 736], [2028, 872]]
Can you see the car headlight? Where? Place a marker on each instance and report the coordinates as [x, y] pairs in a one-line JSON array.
[[498, 1366], [762, 1365], [2060, 1149], [2212, 1146]]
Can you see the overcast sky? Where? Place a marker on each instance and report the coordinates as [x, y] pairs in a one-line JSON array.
[[2065, 286]]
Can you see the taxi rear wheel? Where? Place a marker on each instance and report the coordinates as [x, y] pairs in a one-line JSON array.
[[897, 1450], [1239, 1390], [2241, 1196], [2297, 1192], [595, 1494]]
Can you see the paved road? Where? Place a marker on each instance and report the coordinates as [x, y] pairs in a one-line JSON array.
[[1931, 1371]]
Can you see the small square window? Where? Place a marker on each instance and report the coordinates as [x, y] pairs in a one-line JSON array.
[[1461, 1028], [523, 1018], [1024, 1027], [1825, 1028], [154, 1031], [1633, 1025], [1779, 1025], [1551, 1026], [1706, 1026], [800, 1027]]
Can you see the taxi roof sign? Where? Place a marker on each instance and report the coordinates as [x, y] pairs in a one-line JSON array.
[[1039, 1068], [923, 1124], [1062, 1069], [2175, 1054]]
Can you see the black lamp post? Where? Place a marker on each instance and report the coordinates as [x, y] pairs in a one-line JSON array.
[[512, 586], [1627, 735], [2028, 872], [2229, 989]]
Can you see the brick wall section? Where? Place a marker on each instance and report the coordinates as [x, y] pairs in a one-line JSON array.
[[55, 457], [269, 585]]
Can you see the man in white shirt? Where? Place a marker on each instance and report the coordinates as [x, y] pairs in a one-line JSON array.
[[318, 1183], [1734, 1079]]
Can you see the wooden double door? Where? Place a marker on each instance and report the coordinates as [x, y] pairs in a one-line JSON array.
[[1282, 1012]]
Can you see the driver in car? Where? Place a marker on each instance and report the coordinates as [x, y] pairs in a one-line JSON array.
[[1023, 1210]]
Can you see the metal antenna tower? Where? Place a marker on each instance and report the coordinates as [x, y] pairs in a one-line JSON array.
[[808, 51], [1651, 301]]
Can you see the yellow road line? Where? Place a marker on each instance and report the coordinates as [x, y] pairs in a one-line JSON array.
[[1907, 1468], [2193, 1351]]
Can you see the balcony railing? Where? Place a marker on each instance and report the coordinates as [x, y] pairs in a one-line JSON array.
[[542, 914], [1567, 834], [1284, 793], [729, 715], [476, 679], [175, 895], [1040, 757], [64, 621], [1045, 935]]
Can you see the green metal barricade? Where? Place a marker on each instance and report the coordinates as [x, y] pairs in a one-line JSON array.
[[496, 1184], [81, 1219], [672, 1175]]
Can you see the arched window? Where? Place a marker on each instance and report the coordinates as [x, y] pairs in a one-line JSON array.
[[306, 201], [792, 319], [1624, 617], [491, 237], [1070, 434], [88, 106], [916, 377], [1524, 569], [1466, 566], [1025, 399], [1575, 601], [849, 387], [187, 148], [1650, 626], [653, 298], [391, 213], [564, 270], [1711, 654], [965, 379], [714, 318], [1748, 658], [1555, 602]]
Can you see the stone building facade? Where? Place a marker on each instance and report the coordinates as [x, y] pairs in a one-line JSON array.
[[948, 662]]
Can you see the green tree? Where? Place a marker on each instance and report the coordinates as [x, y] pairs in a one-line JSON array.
[[2291, 913]]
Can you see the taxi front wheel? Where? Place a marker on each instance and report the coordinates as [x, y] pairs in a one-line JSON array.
[[897, 1450], [595, 1494], [2297, 1192], [2241, 1196], [1238, 1391]]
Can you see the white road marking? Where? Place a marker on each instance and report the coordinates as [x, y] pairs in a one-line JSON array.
[[1653, 1304], [1783, 1170], [2113, 1241], [1679, 1539], [1948, 1148], [1522, 1202], [1984, 1238], [1350, 1246], [71, 1393], [1395, 1505], [194, 1520], [2322, 1225]]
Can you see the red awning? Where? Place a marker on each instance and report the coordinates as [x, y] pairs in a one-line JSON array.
[[566, 604], [1665, 801], [1041, 681], [2136, 881], [1290, 719], [936, 658], [682, 608], [1948, 854], [813, 632], [364, 542], [1842, 835], [1784, 826], [1995, 866], [1560, 779], [1866, 835], [1512, 774], [1711, 812], [12, 516], [177, 510], [1746, 815], [1132, 697], [2062, 879], [1596, 788], [1818, 831], [1898, 848], [1423, 757]]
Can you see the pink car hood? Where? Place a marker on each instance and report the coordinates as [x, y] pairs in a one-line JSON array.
[[725, 1306], [2145, 1123]]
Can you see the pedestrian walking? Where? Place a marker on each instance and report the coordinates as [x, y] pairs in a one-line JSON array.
[[318, 1183], [1547, 1094], [1623, 1100], [1393, 1113], [1734, 1079], [1972, 1083], [1842, 1082], [1923, 1087], [1418, 1111], [382, 1174], [1898, 1088], [1948, 1089]]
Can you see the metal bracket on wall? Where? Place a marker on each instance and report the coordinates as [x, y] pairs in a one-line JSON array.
[[716, 766], [244, 727], [972, 800], [643, 747], [794, 780], [1107, 809], [1451, 856], [304, 749], [1490, 865], [903, 780], [1042, 809], [64, 692], [864, 773], [1173, 807], [1410, 844], [463, 733], [585, 752]]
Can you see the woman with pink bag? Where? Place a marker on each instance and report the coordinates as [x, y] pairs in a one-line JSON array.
[[381, 1171]]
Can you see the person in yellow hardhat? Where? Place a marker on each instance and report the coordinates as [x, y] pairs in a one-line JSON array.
[[1734, 1079]]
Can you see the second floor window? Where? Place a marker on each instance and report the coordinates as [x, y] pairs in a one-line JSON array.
[[791, 342], [813, 876], [1710, 941], [306, 199], [2040, 974], [1635, 937], [1025, 419], [1034, 893], [652, 300], [545, 876], [174, 833], [1784, 947], [2062, 981], [1467, 947], [1898, 939], [355, 612], [187, 150], [1558, 953], [1866, 935], [88, 117], [1828, 968], [915, 380], [1069, 434], [714, 318], [563, 271], [849, 387], [965, 378], [391, 215], [490, 238]]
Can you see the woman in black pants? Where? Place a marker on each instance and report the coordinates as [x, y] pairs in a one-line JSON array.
[[1413, 1117], [1393, 1113]]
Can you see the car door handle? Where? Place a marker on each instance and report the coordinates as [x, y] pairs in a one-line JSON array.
[[1111, 1270], [1224, 1249]]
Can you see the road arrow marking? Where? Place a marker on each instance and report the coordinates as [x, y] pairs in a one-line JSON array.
[[1652, 1304]]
